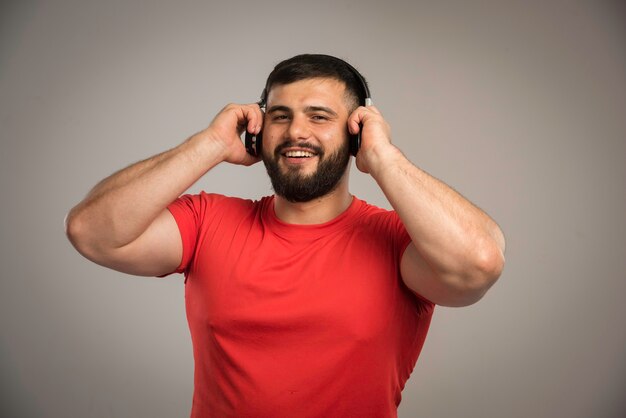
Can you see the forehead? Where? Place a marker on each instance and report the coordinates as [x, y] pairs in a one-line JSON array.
[[312, 91]]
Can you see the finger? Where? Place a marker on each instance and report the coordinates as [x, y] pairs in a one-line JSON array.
[[253, 117], [353, 126], [360, 115], [354, 120], [249, 117]]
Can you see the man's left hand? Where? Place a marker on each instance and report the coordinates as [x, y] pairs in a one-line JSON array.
[[376, 146]]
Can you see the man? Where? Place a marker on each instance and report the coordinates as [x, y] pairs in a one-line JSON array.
[[308, 303]]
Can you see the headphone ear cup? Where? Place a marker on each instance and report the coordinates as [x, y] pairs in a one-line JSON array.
[[259, 144], [253, 144]]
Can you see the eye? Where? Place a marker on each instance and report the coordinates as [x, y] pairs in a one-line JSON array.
[[279, 117], [319, 118]]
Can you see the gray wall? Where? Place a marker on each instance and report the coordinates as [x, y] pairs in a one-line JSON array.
[[519, 105]]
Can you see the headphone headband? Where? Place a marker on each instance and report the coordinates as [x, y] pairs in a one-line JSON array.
[[354, 71]]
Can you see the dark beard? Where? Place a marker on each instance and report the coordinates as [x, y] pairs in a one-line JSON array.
[[298, 188]]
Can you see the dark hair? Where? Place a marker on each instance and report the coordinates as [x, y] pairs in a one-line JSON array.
[[306, 66]]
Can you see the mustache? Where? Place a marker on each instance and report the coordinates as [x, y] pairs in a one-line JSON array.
[[303, 144]]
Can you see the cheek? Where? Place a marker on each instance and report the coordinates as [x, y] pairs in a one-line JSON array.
[[327, 136], [333, 139], [270, 138]]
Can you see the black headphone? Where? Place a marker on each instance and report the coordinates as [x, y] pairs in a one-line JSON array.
[[254, 143]]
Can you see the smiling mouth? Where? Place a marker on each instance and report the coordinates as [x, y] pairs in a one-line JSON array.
[[298, 154]]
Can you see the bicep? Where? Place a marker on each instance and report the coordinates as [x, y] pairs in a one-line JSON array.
[[420, 277], [156, 252]]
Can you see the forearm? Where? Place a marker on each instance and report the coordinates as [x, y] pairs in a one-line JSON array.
[[123, 205], [457, 239]]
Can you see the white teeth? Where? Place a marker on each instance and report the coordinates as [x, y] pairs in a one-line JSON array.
[[298, 154]]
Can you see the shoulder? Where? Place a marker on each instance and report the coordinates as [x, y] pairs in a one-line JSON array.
[[373, 215], [206, 200], [204, 207], [380, 225]]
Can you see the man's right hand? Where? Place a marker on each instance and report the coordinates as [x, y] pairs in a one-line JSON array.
[[228, 126]]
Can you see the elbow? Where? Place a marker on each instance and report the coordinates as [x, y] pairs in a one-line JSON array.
[[77, 232], [470, 281], [74, 229], [490, 263], [487, 268]]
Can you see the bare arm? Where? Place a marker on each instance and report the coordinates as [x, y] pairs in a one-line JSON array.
[[123, 222], [457, 250]]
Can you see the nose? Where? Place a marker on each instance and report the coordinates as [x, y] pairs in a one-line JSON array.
[[298, 128]]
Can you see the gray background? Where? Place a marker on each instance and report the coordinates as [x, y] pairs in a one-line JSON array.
[[519, 105]]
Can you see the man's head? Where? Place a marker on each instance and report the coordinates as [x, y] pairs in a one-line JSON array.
[[308, 100]]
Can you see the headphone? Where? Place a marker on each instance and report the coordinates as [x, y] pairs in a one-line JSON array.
[[254, 143]]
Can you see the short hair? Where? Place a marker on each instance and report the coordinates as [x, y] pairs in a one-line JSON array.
[[307, 66]]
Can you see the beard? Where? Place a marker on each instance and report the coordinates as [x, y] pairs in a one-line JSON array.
[[296, 187]]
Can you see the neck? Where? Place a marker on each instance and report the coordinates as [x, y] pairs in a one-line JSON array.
[[317, 211]]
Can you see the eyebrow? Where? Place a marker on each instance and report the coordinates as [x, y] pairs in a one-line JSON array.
[[320, 109], [308, 109], [278, 109]]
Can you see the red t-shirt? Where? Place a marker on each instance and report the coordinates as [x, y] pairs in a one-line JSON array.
[[297, 320]]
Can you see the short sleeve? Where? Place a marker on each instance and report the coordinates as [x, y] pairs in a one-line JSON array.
[[189, 212]]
